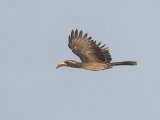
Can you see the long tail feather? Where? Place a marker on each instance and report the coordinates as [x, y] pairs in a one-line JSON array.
[[124, 63]]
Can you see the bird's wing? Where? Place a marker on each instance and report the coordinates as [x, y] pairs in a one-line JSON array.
[[87, 49]]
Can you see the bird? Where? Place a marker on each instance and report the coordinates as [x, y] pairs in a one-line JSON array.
[[93, 55]]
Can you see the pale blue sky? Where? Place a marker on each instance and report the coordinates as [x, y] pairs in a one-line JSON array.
[[34, 38]]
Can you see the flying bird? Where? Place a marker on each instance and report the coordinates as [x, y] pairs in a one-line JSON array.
[[93, 56]]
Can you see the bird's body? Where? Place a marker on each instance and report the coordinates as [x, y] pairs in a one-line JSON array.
[[93, 56], [96, 66]]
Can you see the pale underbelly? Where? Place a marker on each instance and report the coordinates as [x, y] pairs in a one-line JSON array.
[[96, 66]]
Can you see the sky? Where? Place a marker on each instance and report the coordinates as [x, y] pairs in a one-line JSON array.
[[34, 39]]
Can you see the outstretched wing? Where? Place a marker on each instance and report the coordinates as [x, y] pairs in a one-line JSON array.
[[87, 49]]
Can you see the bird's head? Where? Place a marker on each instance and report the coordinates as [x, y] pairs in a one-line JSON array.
[[67, 63]]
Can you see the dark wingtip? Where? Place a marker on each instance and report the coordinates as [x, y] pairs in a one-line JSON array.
[[85, 36], [76, 33], [72, 34], [80, 34]]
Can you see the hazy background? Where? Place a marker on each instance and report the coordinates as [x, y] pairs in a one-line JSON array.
[[34, 39]]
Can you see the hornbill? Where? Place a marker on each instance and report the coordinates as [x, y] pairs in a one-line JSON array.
[[93, 56]]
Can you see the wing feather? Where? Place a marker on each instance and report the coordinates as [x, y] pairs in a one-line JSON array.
[[87, 49]]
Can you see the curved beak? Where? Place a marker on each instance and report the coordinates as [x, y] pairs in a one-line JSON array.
[[61, 64]]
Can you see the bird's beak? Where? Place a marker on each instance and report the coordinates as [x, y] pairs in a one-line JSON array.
[[61, 64]]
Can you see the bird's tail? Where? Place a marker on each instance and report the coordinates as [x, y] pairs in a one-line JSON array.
[[124, 63]]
